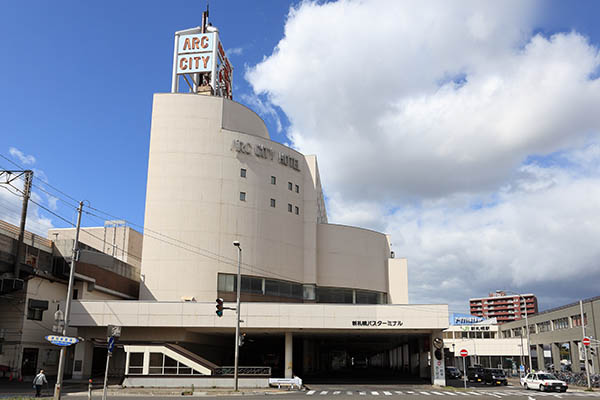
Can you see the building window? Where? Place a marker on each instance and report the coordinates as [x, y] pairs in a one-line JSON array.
[[36, 308], [273, 180], [561, 323], [576, 320], [136, 363], [242, 196], [75, 294], [290, 185], [544, 327], [289, 207], [243, 172], [226, 282], [297, 189], [364, 297], [273, 203], [297, 210]]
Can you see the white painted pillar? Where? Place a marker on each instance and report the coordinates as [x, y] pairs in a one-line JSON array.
[[288, 355]]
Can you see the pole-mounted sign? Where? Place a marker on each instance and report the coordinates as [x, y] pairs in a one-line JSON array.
[[464, 353], [586, 341], [61, 340]]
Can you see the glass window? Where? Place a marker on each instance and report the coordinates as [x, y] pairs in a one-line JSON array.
[[243, 196], [35, 314], [290, 185], [289, 207], [561, 323], [273, 180], [170, 366], [226, 282], [297, 210], [251, 285], [271, 287], [243, 172], [576, 319], [136, 363], [297, 189], [365, 297], [334, 295], [544, 327], [309, 292], [273, 203]]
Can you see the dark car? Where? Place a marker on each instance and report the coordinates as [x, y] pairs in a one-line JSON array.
[[453, 373], [475, 374], [494, 376]]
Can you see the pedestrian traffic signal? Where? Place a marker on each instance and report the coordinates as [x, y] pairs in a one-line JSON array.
[[219, 307]]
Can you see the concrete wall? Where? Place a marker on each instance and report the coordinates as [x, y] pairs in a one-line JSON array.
[[200, 382], [193, 197], [398, 281]]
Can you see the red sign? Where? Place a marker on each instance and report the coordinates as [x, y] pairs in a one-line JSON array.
[[586, 341], [464, 353]]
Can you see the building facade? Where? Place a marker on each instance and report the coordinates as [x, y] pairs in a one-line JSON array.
[[503, 307], [556, 336], [28, 310]]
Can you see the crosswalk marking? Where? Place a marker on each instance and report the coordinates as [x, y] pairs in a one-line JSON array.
[[310, 392], [451, 393], [337, 392], [398, 392], [349, 393], [438, 393], [375, 393], [362, 393], [387, 393], [425, 393], [324, 392], [491, 393], [475, 393], [410, 392], [462, 393]]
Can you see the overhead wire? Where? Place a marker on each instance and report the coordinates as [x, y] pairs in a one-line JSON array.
[[159, 236]]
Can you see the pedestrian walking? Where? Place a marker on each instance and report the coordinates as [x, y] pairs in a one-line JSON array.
[[38, 381]]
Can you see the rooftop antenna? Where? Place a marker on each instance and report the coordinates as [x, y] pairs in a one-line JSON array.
[[205, 18]]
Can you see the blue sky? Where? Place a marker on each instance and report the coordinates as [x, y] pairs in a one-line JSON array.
[[78, 79]]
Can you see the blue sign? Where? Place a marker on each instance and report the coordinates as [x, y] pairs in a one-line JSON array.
[[111, 344], [61, 340], [522, 368], [464, 319]]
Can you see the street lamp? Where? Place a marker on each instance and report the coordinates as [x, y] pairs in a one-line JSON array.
[[237, 310], [526, 328]]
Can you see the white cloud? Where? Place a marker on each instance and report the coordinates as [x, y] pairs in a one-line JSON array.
[[235, 51], [422, 115], [24, 159]]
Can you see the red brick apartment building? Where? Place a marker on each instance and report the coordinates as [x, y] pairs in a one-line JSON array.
[[503, 307]]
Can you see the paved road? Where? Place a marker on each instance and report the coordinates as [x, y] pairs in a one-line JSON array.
[[397, 392]]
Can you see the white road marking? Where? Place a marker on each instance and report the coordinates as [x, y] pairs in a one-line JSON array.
[[387, 393], [362, 393], [438, 393], [462, 393], [475, 393], [375, 393], [323, 392], [399, 392], [450, 393], [337, 392], [408, 391], [425, 393], [349, 393], [310, 392]]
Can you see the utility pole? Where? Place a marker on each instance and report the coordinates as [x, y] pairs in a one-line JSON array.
[[26, 195], [237, 310], [585, 350], [61, 361], [8, 177]]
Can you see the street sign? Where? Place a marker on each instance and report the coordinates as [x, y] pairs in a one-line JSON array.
[[586, 341], [111, 343], [113, 330], [61, 340], [464, 353], [522, 368]]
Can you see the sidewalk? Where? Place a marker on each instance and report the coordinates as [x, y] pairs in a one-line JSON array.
[[114, 390]]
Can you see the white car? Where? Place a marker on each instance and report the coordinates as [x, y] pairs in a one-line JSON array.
[[543, 381]]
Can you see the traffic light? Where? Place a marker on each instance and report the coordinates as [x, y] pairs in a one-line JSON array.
[[592, 351], [242, 337], [219, 307]]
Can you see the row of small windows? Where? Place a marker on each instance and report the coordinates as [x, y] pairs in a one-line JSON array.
[[291, 207], [291, 186], [279, 288], [547, 326]]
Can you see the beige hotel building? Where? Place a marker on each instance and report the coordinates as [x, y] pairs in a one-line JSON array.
[[319, 300]]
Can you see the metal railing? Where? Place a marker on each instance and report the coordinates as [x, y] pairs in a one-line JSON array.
[[243, 371]]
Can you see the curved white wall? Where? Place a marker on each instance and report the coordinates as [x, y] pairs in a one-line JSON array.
[[193, 193], [352, 257]]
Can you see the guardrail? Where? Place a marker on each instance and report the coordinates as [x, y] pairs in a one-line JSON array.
[[243, 371]]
